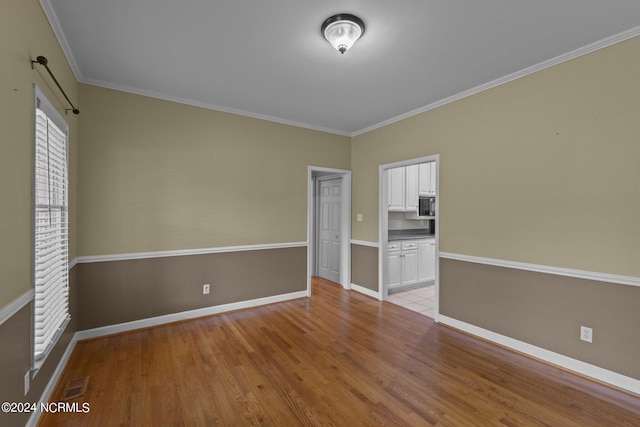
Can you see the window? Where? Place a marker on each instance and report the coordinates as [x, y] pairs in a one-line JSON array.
[[51, 225]]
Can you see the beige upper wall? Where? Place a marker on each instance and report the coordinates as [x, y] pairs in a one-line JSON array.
[[24, 34], [158, 175], [544, 169]]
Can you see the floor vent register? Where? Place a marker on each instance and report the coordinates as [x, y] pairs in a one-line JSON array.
[[75, 388]]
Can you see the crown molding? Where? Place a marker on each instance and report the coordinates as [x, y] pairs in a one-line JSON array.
[[194, 103], [62, 40], [600, 44]]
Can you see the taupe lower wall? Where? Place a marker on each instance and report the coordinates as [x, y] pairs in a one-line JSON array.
[[14, 360], [121, 291], [15, 357], [547, 310], [522, 169], [364, 266], [24, 33]]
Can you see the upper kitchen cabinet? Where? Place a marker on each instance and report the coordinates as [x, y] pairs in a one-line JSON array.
[[427, 179], [411, 188], [407, 184], [396, 189], [403, 189]]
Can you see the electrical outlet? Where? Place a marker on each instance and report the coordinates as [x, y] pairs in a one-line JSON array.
[[27, 380], [205, 289], [586, 334]]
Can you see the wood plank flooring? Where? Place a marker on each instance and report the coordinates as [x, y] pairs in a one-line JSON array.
[[336, 359]]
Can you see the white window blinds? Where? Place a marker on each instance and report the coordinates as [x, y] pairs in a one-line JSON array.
[[51, 209]]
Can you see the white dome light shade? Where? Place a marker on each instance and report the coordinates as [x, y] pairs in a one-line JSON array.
[[342, 31]]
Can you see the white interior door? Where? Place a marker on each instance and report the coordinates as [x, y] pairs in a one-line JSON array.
[[329, 231]]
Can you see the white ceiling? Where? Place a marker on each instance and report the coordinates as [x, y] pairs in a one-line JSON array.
[[267, 59]]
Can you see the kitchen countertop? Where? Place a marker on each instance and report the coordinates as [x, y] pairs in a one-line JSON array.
[[409, 234]]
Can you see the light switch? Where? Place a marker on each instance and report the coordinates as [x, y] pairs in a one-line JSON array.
[[359, 217]]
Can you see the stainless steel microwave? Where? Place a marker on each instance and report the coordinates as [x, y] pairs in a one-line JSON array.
[[426, 206]]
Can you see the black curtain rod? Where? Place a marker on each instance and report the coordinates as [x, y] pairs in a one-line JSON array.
[[43, 61]]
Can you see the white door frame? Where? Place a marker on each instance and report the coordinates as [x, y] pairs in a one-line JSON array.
[[383, 224], [313, 173]]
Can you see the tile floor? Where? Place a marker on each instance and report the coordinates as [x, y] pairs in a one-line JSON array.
[[421, 300]]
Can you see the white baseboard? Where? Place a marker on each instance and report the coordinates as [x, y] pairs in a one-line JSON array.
[[185, 315], [146, 323], [586, 369], [46, 394], [366, 291]]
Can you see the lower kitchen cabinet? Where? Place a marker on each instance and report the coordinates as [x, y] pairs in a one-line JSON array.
[[410, 262], [427, 260], [402, 263], [394, 266]]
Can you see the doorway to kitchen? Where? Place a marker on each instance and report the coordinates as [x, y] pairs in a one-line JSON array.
[[329, 225], [409, 234]]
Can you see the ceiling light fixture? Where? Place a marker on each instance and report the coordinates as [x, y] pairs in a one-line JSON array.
[[342, 30]]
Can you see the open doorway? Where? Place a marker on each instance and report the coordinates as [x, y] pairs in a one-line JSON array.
[[409, 234], [329, 225]]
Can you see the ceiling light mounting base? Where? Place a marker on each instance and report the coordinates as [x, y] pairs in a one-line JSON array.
[[342, 30]]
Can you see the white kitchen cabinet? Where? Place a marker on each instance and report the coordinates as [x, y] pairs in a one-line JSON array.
[[432, 181], [403, 189], [411, 188], [409, 263], [427, 179], [394, 267], [402, 264], [426, 260], [396, 189]]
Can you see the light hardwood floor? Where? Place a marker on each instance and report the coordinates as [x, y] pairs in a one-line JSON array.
[[336, 359]]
